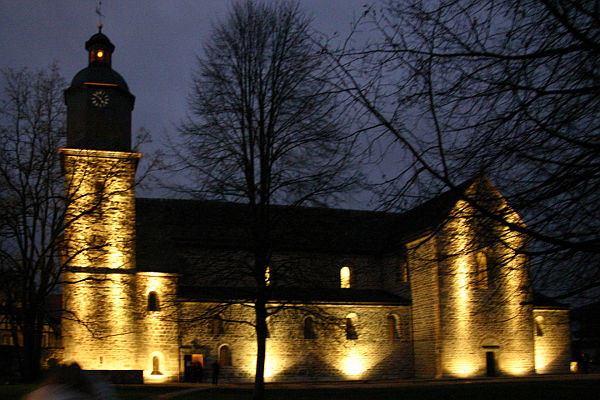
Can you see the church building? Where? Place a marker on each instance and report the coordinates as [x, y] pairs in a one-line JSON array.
[[155, 287]]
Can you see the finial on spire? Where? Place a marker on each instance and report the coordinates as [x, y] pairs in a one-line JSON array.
[[100, 15]]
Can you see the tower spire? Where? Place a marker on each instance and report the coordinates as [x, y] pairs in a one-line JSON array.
[[100, 15]]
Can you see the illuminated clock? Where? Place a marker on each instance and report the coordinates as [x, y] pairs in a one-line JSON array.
[[100, 98]]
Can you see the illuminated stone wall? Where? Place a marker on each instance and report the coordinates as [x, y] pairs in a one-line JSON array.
[[456, 320], [478, 318], [159, 333], [552, 341], [329, 356], [99, 296], [423, 267], [99, 326]]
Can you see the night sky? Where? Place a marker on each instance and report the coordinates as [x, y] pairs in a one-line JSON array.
[[156, 41]]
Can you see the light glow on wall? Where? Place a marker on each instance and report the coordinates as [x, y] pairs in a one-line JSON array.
[[353, 365], [464, 363], [272, 366], [162, 377], [463, 367]]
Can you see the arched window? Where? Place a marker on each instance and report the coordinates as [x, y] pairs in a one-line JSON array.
[[155, 366], [351, 333], [392, 325], [345, 277], [482, 270], [152, 301], [217, 327], [224, 356], [309, 328], [539, 322]]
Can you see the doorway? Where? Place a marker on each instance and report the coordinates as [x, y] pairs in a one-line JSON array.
[[193, 367], [490, 363]]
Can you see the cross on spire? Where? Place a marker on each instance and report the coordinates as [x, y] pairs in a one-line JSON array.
[[100, 15]]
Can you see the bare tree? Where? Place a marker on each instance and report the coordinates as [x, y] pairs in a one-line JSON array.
[[505, 88], [33, 209], [264, 129], [31, 200]]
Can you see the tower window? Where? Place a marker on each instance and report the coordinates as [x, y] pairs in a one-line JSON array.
[[482, 270], [152, 301], [268, 276], [309, 328], [224, 356], [351, 333], [345, 277], [392, 325], [155, 366], [217, 327]]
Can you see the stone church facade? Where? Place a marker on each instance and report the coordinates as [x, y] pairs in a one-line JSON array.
[[154, 285]]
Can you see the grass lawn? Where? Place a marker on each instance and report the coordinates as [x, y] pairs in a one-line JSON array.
[[143, 392], [15, 392], [526, 390], [550, 390]]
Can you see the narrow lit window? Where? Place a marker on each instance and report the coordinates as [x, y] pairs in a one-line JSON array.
[[392, 325], [351, 333], [345, 278], [539, 322], [224, 356], [45, 341], [268, 327], [155, 366], [152, 301], [482, 270], [309, 328], [402, 272], [217, 327], [268, 276]]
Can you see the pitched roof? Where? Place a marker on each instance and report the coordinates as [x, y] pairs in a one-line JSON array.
[[165, 226]]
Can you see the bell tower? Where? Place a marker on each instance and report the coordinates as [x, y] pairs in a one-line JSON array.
[[99, 103], [99, 329]]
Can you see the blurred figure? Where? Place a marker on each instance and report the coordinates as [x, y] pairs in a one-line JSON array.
[[215, 372], [68, 382]]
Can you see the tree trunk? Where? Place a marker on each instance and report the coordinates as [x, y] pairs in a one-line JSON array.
[[261, 346], [30, 352]]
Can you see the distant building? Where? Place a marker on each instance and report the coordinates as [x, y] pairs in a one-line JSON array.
[[585, 322], [11, 339], [436, 291]]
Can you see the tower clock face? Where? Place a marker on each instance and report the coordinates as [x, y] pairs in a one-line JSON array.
[[99, 98]]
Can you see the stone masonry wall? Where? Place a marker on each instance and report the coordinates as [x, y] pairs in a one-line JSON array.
[[552, 341], [425, 307], [99, 296], [483, 315], [222, 268], [329, 356], [159, 329]]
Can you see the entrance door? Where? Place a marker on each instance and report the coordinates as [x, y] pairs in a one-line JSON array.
[[187, 368], [490, 363], [193, 367]]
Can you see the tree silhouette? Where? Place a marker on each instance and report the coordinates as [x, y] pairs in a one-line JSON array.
[[508, 89], [264, 129]]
